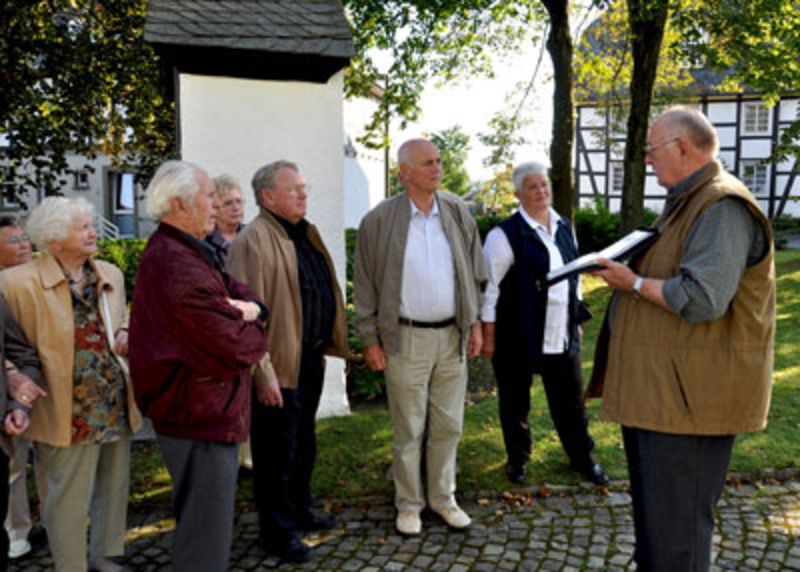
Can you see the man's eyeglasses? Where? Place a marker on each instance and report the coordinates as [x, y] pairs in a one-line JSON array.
[[18, 239], [305, 189], [650, 149]]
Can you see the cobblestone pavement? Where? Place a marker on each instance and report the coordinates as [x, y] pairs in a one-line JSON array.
[[567, 529]]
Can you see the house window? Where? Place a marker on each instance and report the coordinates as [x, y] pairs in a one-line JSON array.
[[617, 174], [756, 118], [122, 205], [8, 199], [754, 175], [82, 180]]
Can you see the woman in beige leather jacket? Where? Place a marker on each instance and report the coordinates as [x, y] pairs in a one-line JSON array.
[[72, 309]]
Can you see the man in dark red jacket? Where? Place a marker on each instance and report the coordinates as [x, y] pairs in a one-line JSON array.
[[195, 334]]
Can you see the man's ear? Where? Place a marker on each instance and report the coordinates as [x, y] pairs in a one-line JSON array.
[[266, 197], [178, 205], [402, 172]]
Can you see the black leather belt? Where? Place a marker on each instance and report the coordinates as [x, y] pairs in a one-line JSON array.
[[433, 325]]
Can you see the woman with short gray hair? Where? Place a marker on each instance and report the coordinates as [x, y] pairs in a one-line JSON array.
[[72, 309], [533, 329]]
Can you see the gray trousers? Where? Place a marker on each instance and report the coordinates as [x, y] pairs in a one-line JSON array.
[[204, 492], [83, 483], [676, 481]]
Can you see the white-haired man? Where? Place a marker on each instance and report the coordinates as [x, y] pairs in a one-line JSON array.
[[195, 334], [685, 356], [419, 272]]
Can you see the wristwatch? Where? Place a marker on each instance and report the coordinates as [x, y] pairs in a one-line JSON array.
[[637, 286]]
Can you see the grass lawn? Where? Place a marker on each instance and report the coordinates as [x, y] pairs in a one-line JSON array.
[[355, 451]]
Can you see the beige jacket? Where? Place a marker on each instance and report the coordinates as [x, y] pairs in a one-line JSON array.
[[666, 374], [378, 276], [263, 257], [39, 297]]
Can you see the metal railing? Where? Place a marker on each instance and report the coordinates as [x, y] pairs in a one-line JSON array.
[[106, 228]]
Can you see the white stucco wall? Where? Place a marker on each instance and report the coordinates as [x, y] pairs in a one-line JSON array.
[[235, 126], [364, 175]]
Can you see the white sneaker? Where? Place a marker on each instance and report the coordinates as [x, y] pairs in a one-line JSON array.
[[455, 517], [19, 548], [408, 523]]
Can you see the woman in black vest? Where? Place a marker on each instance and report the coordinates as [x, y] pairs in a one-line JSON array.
[[532, 329]]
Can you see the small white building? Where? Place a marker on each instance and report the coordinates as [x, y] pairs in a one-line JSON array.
[[255, 82]]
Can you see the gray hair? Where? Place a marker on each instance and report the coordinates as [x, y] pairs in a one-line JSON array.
[[680, 120], [172, 179], [526, 169], [224, 183], [52, 219], [264, 178]]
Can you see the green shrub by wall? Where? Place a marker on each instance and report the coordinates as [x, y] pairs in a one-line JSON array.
[[125, 254]]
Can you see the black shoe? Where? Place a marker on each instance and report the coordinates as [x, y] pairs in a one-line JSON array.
[[292, 550], [516, 473], [317, 522], [596, 475]]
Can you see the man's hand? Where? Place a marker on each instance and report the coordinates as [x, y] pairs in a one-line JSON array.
[[16, 422], [121, 343], [375, 357], [270, 393], [616, 275], [475, 341], [250, 310], [488, 340], [23, 389]]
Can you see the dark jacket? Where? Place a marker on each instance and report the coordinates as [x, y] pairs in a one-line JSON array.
[[15, 348], [522, 305], [190, 351]]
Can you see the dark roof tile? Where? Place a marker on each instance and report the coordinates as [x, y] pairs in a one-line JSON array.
[[315, 27]]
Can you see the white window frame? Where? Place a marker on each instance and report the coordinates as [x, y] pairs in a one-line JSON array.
[[757, 180], [115, 182], [755, 118], [616, 174]]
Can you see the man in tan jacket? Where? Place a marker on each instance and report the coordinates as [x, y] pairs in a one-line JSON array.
[[685, 356], [419, 272], [280, 255]]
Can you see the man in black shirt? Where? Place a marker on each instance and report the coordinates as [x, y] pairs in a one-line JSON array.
[[280, 255]]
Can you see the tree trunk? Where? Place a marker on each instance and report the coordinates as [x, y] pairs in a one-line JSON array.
[[559, 45], [647, 19]]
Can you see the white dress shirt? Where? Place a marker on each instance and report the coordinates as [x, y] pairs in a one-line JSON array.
[[499, 258], [428, 293]]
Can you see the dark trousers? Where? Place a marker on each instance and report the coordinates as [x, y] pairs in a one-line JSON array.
[[676, 481], [563, 385], [284, 446], [204, 493], [3, 509]]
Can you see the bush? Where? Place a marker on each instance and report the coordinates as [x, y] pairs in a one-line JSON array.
[[362, 382], [596, 227], [487, 222], [125, 254], [783, 227]]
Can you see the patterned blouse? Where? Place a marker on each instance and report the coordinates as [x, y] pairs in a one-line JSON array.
[[99, 409]]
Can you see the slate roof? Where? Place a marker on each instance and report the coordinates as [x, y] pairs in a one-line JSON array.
[[300, 27]]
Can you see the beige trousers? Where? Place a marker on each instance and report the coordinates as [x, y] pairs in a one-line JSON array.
[[85, 484], [425, 386], [18, 519]]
